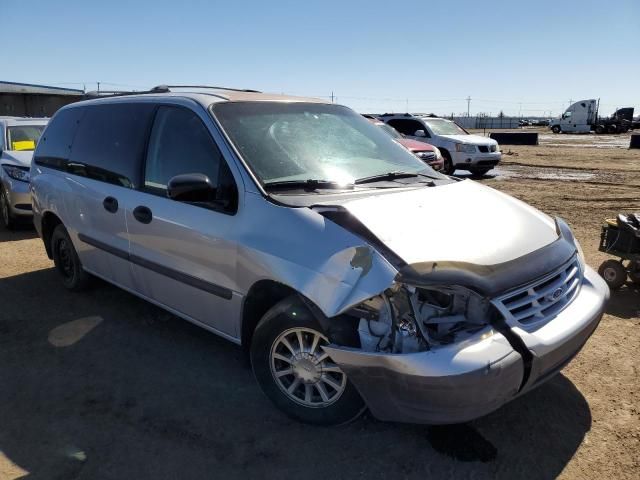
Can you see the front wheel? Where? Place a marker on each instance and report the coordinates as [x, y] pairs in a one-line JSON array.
[[5, 211], [295, 372], [448, 167], [555, 129], [613, 273]]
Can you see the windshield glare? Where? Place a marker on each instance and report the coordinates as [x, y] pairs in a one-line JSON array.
[[443, 127], [301, 141], [24, 137]]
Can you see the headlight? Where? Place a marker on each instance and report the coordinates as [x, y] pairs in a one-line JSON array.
[[17, 173], [465, 147]]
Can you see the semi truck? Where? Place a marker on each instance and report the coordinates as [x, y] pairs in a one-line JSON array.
[[582, 117]]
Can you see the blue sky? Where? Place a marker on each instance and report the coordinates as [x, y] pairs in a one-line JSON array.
[[525, 58]]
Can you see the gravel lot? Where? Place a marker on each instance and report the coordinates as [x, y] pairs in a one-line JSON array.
[[103, 385]]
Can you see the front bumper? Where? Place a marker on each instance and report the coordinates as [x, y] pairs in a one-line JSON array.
[[464, 160], [458, 383], [19, 197]]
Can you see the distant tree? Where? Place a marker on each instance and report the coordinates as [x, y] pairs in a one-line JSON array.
[[501, 114]]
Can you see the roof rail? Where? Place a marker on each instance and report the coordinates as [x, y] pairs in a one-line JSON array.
[[167, 87], [118, 93], [392, 114]]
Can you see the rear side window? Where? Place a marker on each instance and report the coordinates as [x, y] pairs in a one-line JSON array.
[[54, 147], [110, 141]]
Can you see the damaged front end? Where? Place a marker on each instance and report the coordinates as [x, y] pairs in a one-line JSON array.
[[428, 355], [409, 319]]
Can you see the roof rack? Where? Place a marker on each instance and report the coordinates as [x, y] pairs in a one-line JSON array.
[[160, 89], [167, 87], [392, 114], [118, 93]]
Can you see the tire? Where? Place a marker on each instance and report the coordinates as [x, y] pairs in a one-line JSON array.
[[612, 129], [320, 396], [448, 167], [5, 212], [599, 129], [556, 129], [613, 273], [479, 172], [66, 261]]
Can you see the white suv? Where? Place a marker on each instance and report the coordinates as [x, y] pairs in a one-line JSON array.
[[460, 149]]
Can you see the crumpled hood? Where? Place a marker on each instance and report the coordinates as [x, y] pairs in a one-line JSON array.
[[463, 221], [13, 157], [473, 139]]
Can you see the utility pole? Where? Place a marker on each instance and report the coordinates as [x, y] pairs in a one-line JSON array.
[[520, 111], [98, 86], [468, 105], [332, 96], [406, 104]]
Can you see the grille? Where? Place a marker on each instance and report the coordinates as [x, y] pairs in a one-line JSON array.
[[483, 148], [426, 155], [542, 299]]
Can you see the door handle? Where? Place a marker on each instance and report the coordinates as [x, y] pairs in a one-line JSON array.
[[110, 204], [143, 214]]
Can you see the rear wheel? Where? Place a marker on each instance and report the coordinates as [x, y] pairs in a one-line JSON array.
[[599, 129], [613, 273], [448, 167], [612, 129], [295, 372], [66, 260], [555, 129], [5, 211]]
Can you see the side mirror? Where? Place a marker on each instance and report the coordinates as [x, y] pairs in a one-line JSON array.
[[420, 133], [191, 187]]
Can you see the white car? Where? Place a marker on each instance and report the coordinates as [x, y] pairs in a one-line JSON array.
[[18, 139], [460, 150]]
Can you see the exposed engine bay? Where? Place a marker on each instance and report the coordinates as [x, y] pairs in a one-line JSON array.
[[407, 319]]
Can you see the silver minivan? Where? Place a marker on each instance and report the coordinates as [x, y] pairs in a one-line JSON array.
[[304, 233]]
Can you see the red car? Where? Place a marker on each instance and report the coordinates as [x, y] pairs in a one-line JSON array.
[[424, 151]]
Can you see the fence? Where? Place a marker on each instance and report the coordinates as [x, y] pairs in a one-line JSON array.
[[487, 122]]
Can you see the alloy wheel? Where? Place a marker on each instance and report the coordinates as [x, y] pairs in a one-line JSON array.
[[303, 370]]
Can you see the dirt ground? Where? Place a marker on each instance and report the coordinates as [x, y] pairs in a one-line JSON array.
[[103, 385]]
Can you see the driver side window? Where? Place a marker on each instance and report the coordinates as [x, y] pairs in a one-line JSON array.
[[181, 144]]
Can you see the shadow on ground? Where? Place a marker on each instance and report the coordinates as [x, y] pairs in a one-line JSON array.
[[625, 302], [103, 385], [20, 232]]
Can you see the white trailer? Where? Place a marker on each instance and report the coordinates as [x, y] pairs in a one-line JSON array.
[[582, 117]]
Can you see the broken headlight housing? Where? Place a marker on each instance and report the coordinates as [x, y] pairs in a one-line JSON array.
[[409, 319]]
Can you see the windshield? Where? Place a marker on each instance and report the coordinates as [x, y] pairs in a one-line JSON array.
[[301, 141], [444, 127], [391, 131], [24, 137]]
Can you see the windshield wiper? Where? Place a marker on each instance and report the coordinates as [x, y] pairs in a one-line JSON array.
[[308, 184], [393, 176]]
